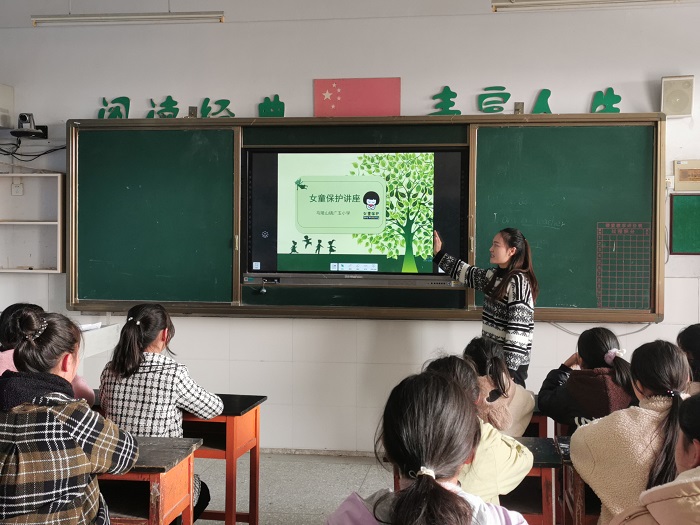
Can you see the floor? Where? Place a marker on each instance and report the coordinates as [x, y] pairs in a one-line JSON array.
[[296, 489]]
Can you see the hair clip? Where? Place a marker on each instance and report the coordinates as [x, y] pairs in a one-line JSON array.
[[131, 319], [35, 335]]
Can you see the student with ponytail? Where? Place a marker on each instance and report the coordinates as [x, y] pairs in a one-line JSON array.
[[510, 291], [631, 450], [678, 501], [503, 403], [429, 430], [145, 391], [500, 462], [10, 337], [592, 383], [52, 446]]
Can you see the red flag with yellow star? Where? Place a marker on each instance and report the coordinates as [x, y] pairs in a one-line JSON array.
[[357, 97]]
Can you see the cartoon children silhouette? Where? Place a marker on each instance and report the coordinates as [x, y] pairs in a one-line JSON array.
[[307, 241], [319, 246], [331, 248], [294, 247]]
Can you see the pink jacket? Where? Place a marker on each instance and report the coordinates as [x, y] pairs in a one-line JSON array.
[[80, 387]]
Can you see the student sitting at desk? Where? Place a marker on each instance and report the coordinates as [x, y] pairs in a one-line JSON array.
[[500, 462], [146, 392], [10, 336], [631, 450], [689, 341], [592, 383], [502, 402], [429, 430], [52, 446], [676, 502]]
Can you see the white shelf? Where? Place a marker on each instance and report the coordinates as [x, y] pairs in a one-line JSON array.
[[31, 224]]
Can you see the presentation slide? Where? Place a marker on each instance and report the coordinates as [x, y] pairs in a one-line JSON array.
[[355, 212]]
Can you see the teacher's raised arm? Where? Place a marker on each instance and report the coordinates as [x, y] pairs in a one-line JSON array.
[[510, 290]]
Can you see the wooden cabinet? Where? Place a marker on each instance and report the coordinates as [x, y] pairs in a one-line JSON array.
[[31, 222]]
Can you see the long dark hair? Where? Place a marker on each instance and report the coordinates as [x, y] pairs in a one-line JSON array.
[[689, 420], [428, 422], [459, 370], [593, 344], [143, 324], [489, 360], [45, 337], [520, 262], [689, 341], [9, 329], [662, 368]]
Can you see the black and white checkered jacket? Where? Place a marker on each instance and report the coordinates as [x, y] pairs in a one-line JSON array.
[[50, 452], [150, 402]]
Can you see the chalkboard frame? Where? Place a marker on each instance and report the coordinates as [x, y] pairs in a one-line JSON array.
[[470, 311]]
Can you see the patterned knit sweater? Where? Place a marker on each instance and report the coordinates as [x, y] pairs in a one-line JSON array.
[[509, 321]]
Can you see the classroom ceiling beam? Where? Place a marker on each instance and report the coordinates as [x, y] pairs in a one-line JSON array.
[[194, 17], [555, 5]]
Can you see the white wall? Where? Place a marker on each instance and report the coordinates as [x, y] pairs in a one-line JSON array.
[[328, 379]]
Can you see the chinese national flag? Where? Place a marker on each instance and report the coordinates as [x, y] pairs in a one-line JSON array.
[[357, 97]]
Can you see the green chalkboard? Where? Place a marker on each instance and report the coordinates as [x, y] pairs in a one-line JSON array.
[[583, 196], [685, 218], [155, 215]]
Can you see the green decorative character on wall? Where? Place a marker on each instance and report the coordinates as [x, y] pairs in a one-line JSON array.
[[605, 102], [168, 108], [221, 111], [542, 103], [271, 108], [493, 100], [409, 205], [444, 107], [115, 108]]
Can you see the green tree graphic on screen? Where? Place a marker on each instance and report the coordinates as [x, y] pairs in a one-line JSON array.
[[409, 207]]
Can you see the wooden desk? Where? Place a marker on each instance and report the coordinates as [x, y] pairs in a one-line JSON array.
[[229, 436], [159, 487], [539, 481], [573, 504]]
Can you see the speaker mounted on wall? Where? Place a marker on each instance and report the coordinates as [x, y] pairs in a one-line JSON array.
[[677, 96]]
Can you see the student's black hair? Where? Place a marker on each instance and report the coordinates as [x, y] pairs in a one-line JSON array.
[[689, 420], [662, 368], [592, 346], [429, 421], [490, 360], [689, 341], [9, 330], [520, 262], [143, 324], [459, 370], [45, 337]]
